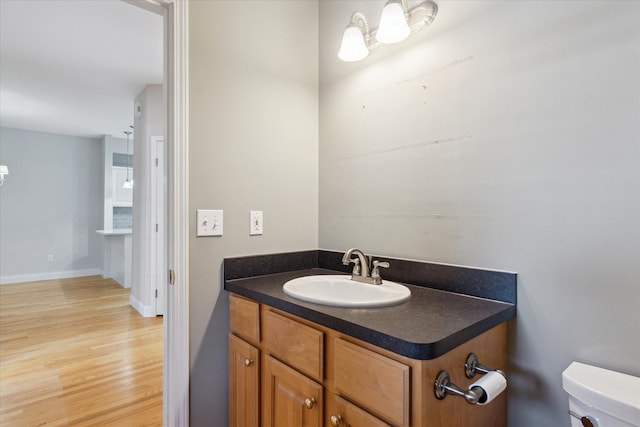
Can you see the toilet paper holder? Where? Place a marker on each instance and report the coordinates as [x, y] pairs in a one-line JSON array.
[[474, 395], [472, 366]]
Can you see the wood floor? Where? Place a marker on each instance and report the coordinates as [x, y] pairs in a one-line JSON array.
[[73, 352]]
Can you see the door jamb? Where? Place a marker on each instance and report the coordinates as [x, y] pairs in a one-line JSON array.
[[176, 369]]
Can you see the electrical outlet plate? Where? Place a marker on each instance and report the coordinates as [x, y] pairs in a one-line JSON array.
[[255, 223], [209, 222]]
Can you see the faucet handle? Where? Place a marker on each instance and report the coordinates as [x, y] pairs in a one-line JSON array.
[[356, 267], [375, 272], [383, 264]]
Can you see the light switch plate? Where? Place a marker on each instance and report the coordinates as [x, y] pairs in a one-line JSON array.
[[209, 222], [255, 223]]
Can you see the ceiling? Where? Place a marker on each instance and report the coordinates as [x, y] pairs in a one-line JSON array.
[[74, 67]]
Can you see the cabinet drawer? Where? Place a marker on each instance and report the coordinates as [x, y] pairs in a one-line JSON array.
[[244, 318], [298, 345], [375, 382], [350, 415]]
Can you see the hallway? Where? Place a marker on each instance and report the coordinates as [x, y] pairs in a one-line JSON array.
[[74, 352]]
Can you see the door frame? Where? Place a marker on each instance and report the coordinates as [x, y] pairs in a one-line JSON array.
[[176, 319], [158, 217], [176, 365]]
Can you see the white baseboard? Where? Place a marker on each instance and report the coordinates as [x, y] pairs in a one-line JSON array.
[[144, 310], [21, 278]]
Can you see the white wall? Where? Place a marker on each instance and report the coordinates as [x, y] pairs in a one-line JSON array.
[[505, 136], [150, 123], [253, 146], [50, 204]]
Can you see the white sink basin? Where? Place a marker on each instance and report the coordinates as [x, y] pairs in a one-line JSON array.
[[341, 291]]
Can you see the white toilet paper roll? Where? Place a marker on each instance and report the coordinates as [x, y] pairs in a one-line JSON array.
[[492, 384]]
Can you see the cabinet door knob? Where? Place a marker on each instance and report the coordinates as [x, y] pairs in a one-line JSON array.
[[248, 362], [309, 402], [335, 420]]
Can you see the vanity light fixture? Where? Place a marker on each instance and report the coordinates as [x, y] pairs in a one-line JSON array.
[[4, 171], [393, 23], [397, 22], [355, 39]]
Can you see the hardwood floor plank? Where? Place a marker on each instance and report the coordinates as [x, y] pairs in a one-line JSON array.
[[73, 352]]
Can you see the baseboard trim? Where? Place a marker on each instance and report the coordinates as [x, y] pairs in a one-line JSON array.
[[21, 278], [144, 310]]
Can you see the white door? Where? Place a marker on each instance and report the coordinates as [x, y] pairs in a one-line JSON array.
[[158, 251]]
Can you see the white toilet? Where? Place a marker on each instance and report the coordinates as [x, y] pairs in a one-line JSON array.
[[601, 398]]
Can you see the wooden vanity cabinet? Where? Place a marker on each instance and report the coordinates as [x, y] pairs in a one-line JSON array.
[[309, 375]]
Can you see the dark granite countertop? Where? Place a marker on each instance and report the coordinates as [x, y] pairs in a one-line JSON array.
[[427, 326]]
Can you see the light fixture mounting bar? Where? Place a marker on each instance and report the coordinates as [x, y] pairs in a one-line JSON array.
[[360, 20], [422, 15]]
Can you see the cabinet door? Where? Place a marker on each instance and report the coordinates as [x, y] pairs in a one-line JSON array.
[[244, 385], [289, 398], [342, 413]]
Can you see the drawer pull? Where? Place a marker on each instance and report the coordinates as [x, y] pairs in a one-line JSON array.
[[335, 420], [309, 403], [248, 362]]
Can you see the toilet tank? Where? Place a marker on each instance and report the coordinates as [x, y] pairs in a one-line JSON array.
[[611, 399]]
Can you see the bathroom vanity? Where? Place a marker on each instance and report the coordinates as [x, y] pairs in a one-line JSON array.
[[295, 363]]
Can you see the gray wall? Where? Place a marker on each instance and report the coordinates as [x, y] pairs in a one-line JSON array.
[[507, 136], [51, 203], [253, 146]]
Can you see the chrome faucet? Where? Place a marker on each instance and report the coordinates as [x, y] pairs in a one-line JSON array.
[[362, 271], [363, 262]]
